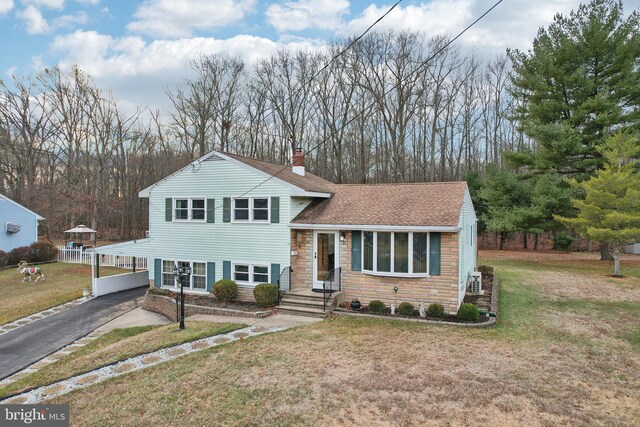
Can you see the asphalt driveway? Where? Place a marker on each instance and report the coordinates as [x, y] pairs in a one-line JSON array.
[[28, 344]]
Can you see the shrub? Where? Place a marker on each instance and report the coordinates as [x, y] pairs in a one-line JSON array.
[[485, 269], [563, 242], [266, 294], [406, 309], [468, 312], [225, 290], [4, 258], [43, 251], [435, 310], [22, 253], [376, 306]]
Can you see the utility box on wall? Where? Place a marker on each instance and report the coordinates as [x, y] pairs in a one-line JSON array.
[[12, 227]]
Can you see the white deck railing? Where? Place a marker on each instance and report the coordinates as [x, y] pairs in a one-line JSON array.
[[80, 256]]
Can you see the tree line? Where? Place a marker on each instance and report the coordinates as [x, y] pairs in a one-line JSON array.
[[395, 107]]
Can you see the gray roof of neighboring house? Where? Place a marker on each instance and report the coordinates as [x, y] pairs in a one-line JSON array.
[[38, 217]]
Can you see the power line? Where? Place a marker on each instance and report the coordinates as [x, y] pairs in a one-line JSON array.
[[324, 67], [385, 93]]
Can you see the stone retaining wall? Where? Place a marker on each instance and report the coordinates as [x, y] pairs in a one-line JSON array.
[[167, 307]]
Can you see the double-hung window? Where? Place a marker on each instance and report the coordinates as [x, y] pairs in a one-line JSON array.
[[189, 209], [197, 281], [250, 274], [251, 209], [395, 253]]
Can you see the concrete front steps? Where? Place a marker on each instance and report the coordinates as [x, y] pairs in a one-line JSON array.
[[304, 302]]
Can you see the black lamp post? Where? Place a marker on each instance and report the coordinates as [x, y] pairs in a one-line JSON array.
[[181, 273]]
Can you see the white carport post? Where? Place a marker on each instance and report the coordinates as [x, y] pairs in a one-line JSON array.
[[93, 275]]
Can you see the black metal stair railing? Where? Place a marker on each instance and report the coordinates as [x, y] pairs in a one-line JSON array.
[[333, 283], [284, 282]]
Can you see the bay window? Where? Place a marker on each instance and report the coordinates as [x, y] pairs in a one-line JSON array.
[[395, 253]]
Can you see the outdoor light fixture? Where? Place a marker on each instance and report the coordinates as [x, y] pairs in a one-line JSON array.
[[181, 273]]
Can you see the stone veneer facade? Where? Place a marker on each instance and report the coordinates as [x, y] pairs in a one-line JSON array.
[[442, 289]]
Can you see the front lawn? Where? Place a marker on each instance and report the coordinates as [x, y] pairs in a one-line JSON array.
[[63, 282], [115, 346], [565, 352]]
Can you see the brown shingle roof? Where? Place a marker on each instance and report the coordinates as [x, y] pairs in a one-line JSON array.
[[308, 182], [420, 204]]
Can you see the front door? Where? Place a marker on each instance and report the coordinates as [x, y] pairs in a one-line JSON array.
[[325, 255]]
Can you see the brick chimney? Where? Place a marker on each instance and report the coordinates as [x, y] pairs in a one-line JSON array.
[[298, 162]]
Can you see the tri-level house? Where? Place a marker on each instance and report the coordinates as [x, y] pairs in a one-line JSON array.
[[233, 217]]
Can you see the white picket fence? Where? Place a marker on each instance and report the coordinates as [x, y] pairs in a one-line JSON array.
[[80, 256]]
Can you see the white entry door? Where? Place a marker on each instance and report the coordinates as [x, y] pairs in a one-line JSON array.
[[325, 255]]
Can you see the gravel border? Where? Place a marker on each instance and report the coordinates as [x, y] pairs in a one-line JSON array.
[[24, 321], [133, 364]]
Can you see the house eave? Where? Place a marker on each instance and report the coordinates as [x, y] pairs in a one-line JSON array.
[[375, 227]]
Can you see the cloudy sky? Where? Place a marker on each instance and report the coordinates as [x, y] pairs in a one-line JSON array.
[[138, 48]]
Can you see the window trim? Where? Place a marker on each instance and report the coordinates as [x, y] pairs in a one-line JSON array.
[[251, 219], [251, 265], [392, 273], [189, 209], [190, 287]]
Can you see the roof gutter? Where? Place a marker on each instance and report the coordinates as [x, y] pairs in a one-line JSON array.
[[375, 227]]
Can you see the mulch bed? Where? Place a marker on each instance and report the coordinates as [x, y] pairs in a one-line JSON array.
[[210, 301], [446, 318], [482, 301]]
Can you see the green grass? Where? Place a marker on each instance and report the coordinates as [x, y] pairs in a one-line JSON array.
[[115, 346], [63, 282]]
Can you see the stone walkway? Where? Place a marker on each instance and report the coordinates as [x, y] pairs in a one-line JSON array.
[[41, 315], [136, 317], [54, 357], [274, 323], [136, 363]]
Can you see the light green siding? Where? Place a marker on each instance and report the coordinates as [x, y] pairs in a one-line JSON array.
[[259, 243], [298, 204], [467, 241]]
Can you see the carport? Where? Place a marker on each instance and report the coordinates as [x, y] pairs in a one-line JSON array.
[[124, 255]]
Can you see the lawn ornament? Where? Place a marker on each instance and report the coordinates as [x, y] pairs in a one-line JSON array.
[[24, 268]]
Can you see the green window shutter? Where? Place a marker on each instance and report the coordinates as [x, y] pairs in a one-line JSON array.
[[211, 275], [157, 272], [226, 270], [226, 209], [434, 254], [275, 210], [356, 250], [211, 210], [168, 209], [275, 273]]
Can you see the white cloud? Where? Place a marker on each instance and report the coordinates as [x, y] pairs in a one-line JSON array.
[[33, 20], [304, 14], [181, 18], [51, 4], [93, 2], [138, 72], [70, 21], [5, 6], [435, 17]]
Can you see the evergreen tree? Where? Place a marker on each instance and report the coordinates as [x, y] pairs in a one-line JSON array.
[[579, 83], [610, 210]]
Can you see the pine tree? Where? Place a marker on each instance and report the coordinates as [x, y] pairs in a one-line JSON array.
[[579, 82], [610, 210]]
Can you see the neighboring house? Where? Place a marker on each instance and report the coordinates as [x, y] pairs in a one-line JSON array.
[[227, 216], [19, 225]]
